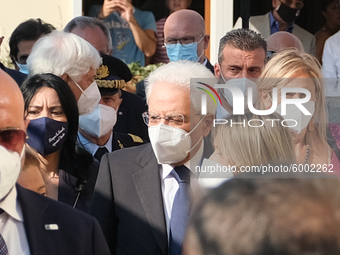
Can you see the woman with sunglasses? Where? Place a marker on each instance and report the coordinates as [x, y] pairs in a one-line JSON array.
[[53, 113]]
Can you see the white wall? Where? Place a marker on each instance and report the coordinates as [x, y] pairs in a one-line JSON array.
[[13, 12], [222, 12]]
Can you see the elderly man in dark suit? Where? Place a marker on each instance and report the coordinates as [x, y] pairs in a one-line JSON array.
[[29, 222], [142, 194]]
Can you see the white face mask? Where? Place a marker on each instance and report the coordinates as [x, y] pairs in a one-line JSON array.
[[243, 84], [89, 98], [293, 112], [171, 145], [10, 165], [99, 122]]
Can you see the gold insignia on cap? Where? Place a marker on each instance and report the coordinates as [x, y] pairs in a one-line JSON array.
[[102, 72], [114, 84]]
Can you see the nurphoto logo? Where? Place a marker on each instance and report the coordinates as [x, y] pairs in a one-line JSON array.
[[239, 107]]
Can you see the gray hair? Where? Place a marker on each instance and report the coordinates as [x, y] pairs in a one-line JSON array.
[[60, 53], [184, 74], [242, 39], [83, 22]]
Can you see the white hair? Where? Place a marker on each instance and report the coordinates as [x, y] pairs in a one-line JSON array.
[[60, 52], [185, 74]]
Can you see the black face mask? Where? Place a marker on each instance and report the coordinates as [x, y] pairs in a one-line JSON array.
[[286, 13]]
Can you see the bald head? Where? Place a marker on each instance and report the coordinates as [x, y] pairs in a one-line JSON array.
[[283, 40], [189, 25], [11, 104], [186, 21]]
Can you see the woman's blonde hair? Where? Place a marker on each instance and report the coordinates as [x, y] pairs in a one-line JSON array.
[[244, 145], [285, 64]]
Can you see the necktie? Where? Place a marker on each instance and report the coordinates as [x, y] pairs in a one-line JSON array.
[[180, 210], [100, 152], [3, 247]]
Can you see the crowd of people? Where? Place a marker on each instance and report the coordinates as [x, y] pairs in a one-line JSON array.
[[237, 157]]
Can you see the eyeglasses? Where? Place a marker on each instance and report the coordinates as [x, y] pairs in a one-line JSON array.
[[184, 41], [175, 119], [12, 139]]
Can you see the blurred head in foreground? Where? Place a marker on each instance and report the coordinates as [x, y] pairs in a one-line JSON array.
[[268, 216]]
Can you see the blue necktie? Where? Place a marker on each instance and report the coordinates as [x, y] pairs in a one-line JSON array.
[[3, 246], [100, 153], [180, 210]]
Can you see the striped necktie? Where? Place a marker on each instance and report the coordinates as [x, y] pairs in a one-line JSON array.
[[180, 210], [3, 246]]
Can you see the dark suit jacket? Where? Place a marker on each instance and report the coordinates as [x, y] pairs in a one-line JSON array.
[[81, 199], [210, 66], [78, 233], [68, 195], [120, 141], [16, 75], [140, 86], [128, 201]]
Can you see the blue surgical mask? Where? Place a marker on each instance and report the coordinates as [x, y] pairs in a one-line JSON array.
[[23, 68], [179, 52], [46, 135]]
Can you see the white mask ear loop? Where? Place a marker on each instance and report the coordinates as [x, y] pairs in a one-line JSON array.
[[194, 145], [194, 127], [191, 132], [199, 57], [79, 87], [222, 75]]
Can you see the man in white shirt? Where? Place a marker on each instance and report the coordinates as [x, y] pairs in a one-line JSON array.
[[31, 223], [136, 190]]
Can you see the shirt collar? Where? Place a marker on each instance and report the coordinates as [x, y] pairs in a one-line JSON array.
[[205, 62], [11, 205], [195, 161], [271, 19], [91, 147], [274, 25]]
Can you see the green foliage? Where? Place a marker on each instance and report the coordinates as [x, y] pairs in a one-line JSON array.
[[142, 71]]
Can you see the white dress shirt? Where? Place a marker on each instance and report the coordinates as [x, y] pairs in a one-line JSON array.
[[170, 184], [91, 147], [331, 65], [12, 225]]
